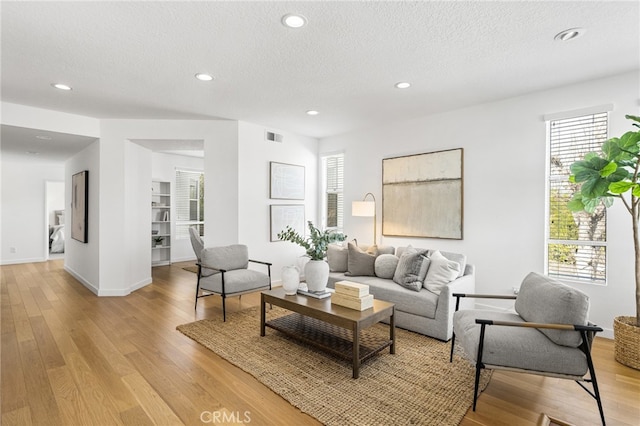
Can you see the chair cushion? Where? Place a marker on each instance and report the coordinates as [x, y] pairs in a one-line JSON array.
[[337, 256], [235, 281], [360, 262], [235, 256], [441, 272], [515, 347], [543, 299]]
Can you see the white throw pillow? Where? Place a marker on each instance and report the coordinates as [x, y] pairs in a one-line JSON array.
[[441, 272]]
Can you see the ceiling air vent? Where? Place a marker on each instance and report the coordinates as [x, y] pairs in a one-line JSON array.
[[273, 137]]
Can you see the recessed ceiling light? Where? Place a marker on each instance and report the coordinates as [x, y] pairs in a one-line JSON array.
[[403, 85], [61, 86], [43, 137], [569, 34], [293, 20], [204, 77], [312, 112], [32, 152]]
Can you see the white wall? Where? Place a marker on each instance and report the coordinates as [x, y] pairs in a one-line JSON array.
[[82, 260], [164, 168], [504, 184], [254, 220], [45, 119], [23, 200]]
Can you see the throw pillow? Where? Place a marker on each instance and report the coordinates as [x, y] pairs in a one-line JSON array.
[[337, 257], [408, 270], [543, 299], [385, 266], [361, 262], [456, 257], [440, 273]]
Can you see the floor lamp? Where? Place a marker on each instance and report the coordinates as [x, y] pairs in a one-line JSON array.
[[366, 208]]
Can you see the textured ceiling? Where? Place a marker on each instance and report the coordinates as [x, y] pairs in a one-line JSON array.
[[138, 59]]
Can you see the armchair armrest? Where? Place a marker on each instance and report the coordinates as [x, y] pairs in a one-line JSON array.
[[481, 296], [570, 327], [261, 262]]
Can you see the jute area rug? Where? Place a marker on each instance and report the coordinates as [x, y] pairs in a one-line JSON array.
[[416, 386]]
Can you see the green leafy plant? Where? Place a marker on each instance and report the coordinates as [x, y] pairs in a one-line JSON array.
[[316, 243], [610, 174], [158, 240]]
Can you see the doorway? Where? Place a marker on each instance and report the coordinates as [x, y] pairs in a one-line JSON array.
[[55, 219]]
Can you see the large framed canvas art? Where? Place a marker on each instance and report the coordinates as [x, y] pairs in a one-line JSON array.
[[422, 195], [79, 206], [286, 181]]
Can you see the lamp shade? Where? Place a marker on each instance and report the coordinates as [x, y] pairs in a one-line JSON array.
[[363, 208]]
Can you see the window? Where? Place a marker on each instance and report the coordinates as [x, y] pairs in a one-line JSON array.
[[333, 183], [576, 242], [189, 202]]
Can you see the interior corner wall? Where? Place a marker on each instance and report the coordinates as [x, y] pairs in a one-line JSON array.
[[254, 220], [504, 184], [137, 226], [221, 190], [22, 230], [82, 259]]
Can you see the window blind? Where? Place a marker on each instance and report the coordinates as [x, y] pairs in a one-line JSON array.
[[576, 243], [334, 199], [189, 204]]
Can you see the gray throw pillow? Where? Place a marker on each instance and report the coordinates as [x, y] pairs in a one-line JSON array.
[[408, 270], [385, 266], [360, 262], [440, 273], [337, 257]]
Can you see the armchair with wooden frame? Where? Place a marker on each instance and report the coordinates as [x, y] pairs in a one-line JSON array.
[[549, 334]]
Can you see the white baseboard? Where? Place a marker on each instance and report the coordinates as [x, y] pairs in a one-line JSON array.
[[140, 284], [82, 280], [18, 261]]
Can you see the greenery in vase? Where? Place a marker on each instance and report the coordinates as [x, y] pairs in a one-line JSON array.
[[611, 174], [316, 243], [158, 240]]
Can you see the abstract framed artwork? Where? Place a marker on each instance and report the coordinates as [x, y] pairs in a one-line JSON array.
[[79, 206], [422, 195], [286, 181], [283, 215]]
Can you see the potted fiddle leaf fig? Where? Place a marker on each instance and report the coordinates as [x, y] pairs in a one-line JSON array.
[[316, 270], [603, 177]]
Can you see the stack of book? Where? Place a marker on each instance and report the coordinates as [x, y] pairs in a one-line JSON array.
[[352, 295]]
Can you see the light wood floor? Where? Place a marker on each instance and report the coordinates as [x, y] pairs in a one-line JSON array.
[[71, 358]]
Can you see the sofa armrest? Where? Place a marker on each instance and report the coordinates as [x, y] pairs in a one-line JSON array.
[[446, 304]]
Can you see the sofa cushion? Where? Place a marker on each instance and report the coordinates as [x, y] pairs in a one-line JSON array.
[[517, 347], [337, 256], [408, 270], [385, 266], [545, 300], [360, 262], [441, 272]]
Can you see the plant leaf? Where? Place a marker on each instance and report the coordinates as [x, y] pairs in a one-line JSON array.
[[576, 205], [620, 187], [636, 190], [594, 188], [608, 169]]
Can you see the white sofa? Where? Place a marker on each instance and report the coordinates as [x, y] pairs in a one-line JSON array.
[[421, 311]]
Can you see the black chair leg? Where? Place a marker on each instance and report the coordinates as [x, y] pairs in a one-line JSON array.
[[453, 342], [195, 306], [224, 311], [476, 385]]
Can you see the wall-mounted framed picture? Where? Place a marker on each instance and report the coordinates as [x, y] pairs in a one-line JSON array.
[[286, 181], [422, 195], [283, 215], [80, 206]]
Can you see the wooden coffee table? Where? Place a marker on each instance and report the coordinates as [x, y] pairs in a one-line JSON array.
[[335, 329]]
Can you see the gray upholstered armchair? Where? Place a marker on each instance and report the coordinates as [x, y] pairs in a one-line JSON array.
[[549, 334], [224, 271]]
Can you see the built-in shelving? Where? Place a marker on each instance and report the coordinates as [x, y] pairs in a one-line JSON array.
[[160, 223]]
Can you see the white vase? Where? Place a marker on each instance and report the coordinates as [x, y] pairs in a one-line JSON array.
[[316, 273], [290, 279]]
